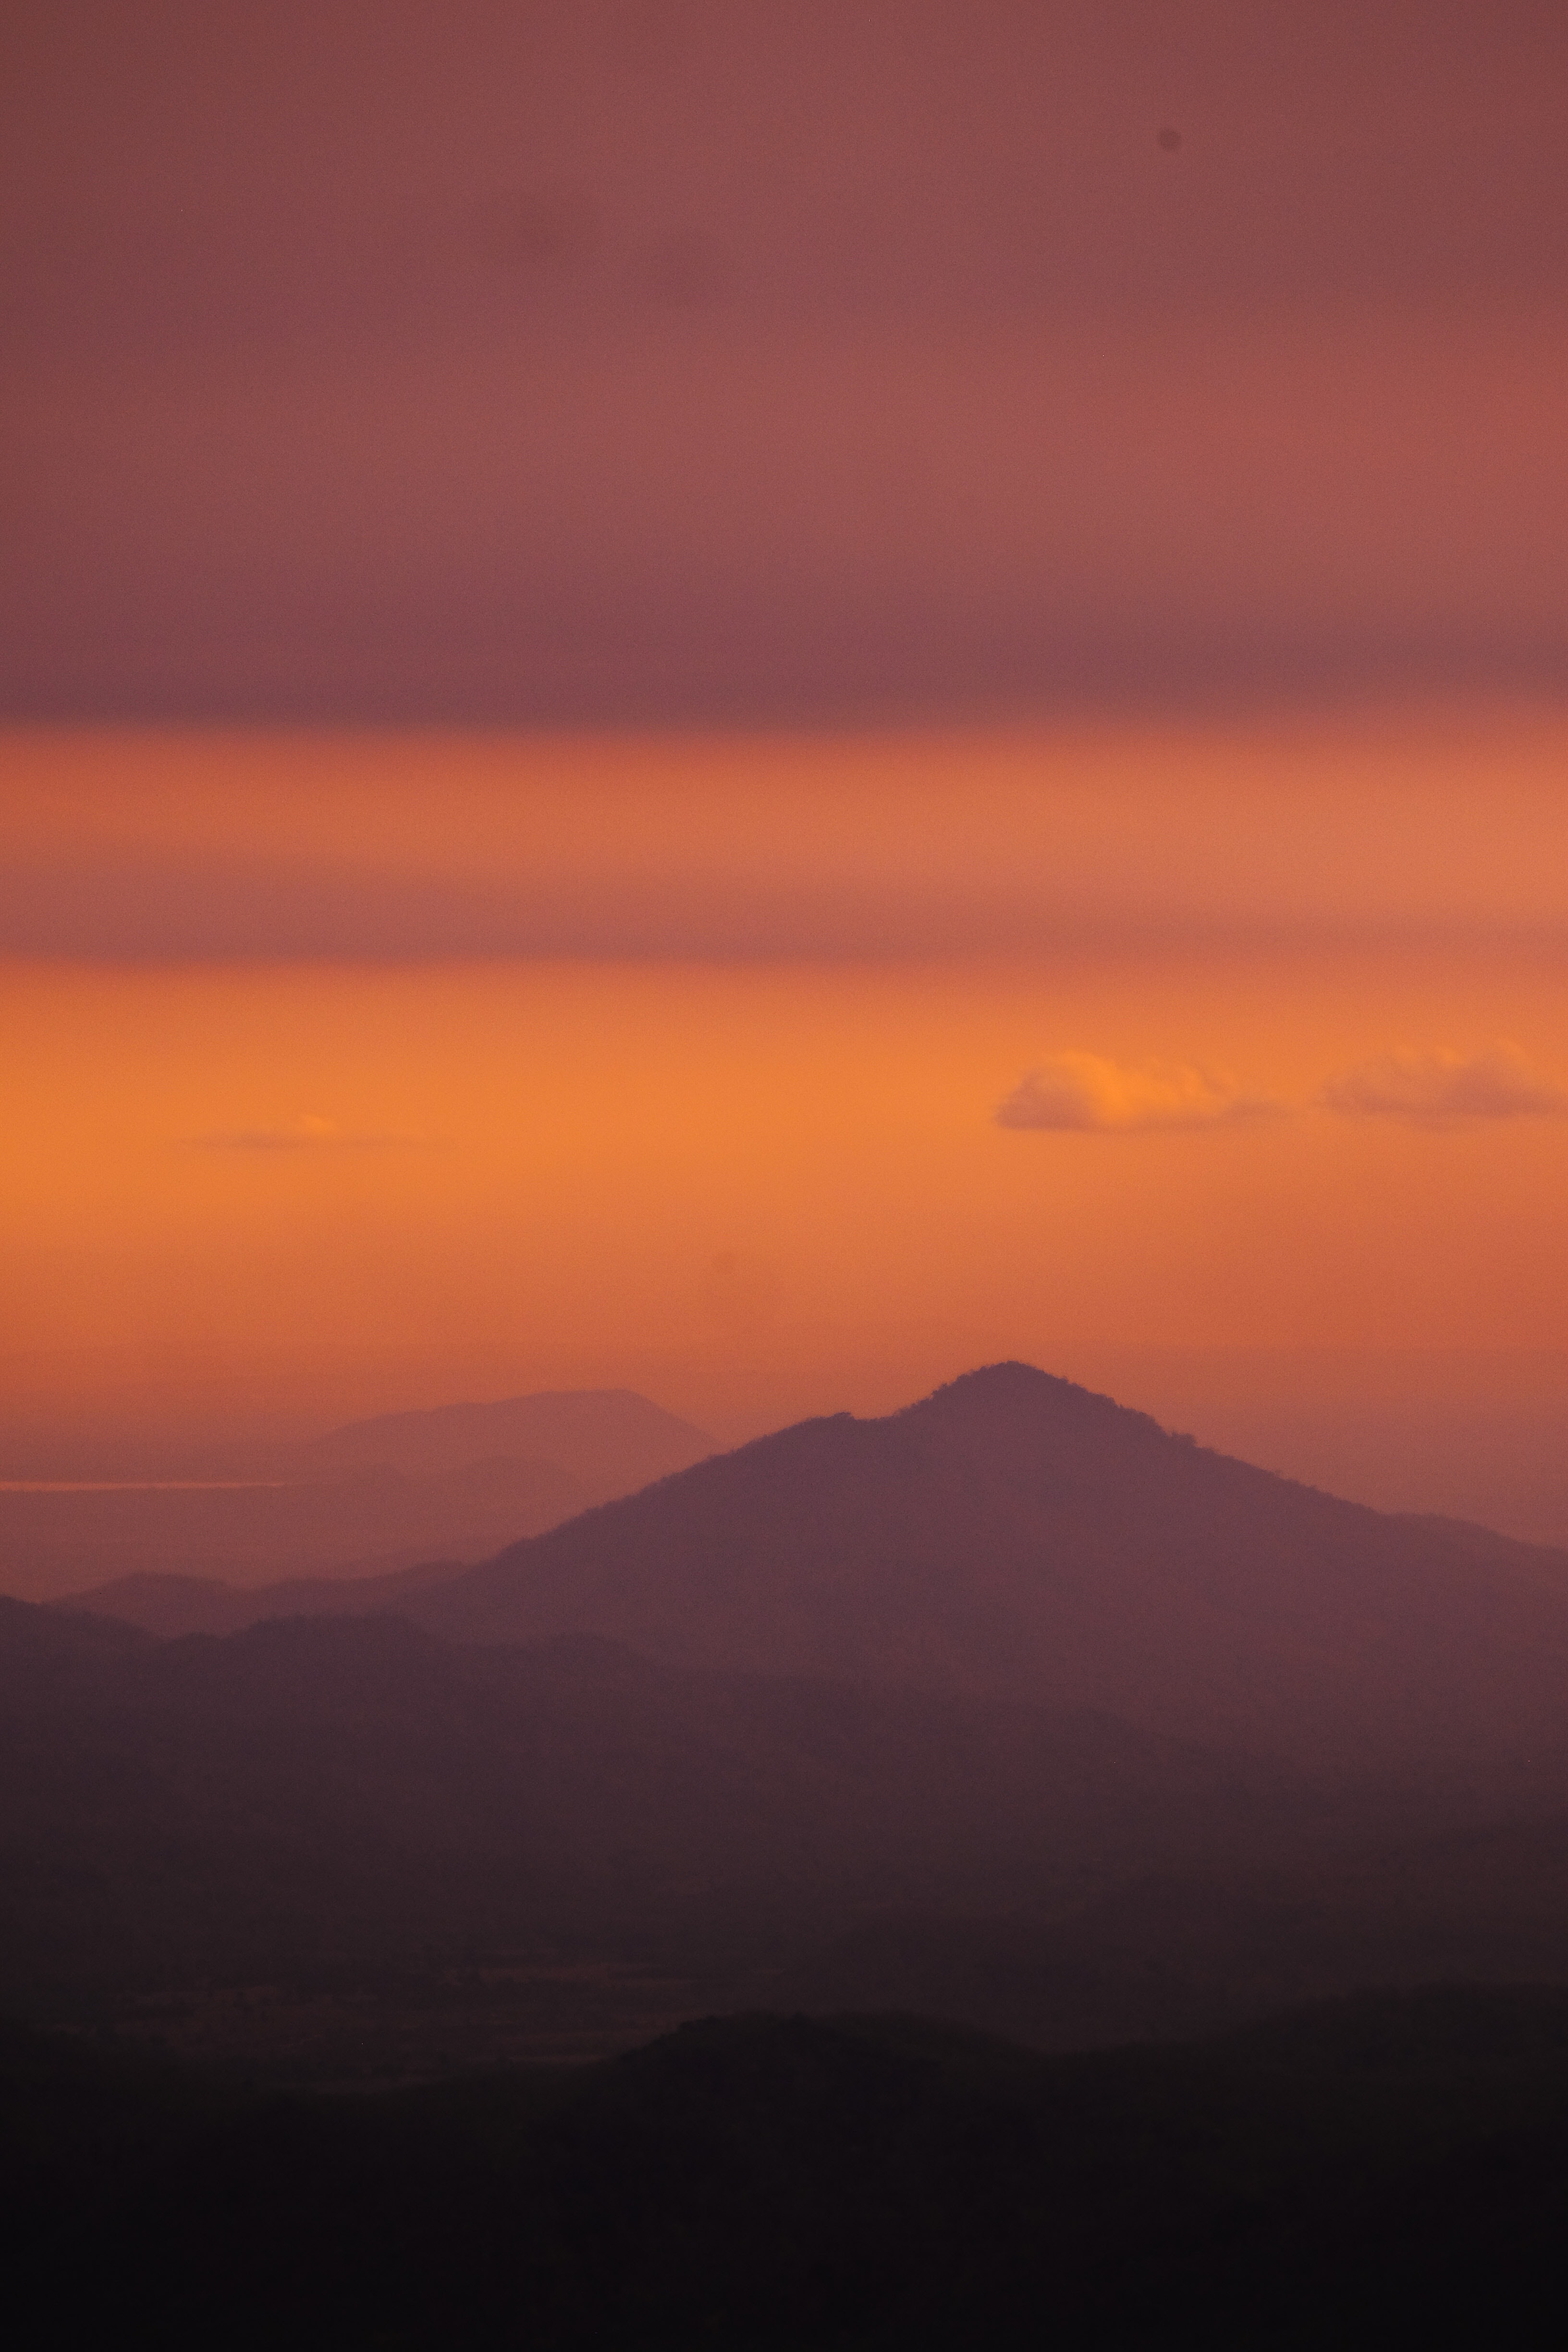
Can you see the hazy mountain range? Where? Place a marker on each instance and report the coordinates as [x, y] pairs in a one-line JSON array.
[[1010, 1707], [356, 1788], [368, 1498], [1018, 1537]]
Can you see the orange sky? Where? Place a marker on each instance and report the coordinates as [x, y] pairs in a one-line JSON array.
[[1039, 533], [715, 1115]]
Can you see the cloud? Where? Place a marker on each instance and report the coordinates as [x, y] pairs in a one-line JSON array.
[[1085, 1094], [593, 420], [889, 846], [1444, 1089], [1082, 1093], [306, 1133]]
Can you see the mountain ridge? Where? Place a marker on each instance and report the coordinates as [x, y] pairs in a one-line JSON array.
[[1013, 1533], [369, 1499], [590, 1434]]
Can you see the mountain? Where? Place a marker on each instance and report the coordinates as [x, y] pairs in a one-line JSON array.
[[171, 1606], [1016, 1536], [1009, 1703], [608, 1441], [370, 1498], [344, 1850], [368, 1523], [353, 1790]]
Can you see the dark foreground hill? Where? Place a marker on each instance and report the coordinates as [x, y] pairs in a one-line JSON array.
[[1391, 2170], [1016, 1536], [171, 1606], [345, 1849], [354, 1792]]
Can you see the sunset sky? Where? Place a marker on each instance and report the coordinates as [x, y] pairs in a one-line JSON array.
[[762, 700]]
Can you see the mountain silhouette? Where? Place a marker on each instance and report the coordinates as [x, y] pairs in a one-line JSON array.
[[1009, 1704], [369, 1499], [1017, 1536], [1386, 2169], [355, 1787], [609, 1441], [435, 1852], [172, 1606]]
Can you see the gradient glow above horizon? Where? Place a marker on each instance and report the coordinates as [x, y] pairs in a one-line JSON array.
[[778, 1074], [761, 701]]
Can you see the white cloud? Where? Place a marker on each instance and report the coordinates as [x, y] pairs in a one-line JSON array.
[[1444, 1089], [1083, 1093]]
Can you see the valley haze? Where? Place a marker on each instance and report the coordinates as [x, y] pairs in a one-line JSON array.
[[1010, 1706]]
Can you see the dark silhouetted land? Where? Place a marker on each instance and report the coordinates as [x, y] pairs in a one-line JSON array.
[[1391, 2170], [1010, 1710], [1015, 1535]]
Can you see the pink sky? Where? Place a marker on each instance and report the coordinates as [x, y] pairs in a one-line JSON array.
[[762, 699], [694, 361]]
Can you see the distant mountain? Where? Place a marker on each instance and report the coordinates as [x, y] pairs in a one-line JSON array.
[[171, 1606], [364, 1523], [370, 1498], [608, 1441], [1016, 1536]]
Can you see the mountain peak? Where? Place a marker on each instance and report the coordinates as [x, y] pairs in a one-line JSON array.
[[1009, 1395], [1016, 1534], [1011, 1378]]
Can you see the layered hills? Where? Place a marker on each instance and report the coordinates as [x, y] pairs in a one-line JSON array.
[[346, 1848], [370, 1498], [1015, 1535], [1010, 1706], [353, 1790]]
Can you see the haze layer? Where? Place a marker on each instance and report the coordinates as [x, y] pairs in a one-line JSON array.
[[774, 1075]]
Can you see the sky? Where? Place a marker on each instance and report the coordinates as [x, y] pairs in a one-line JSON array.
[[764, 701], [777, 359]]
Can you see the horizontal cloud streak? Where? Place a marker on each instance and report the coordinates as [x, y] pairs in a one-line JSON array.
[[1446, 1088], [792, 528], [457, 363], [303, 1134], [1440, 827], [1082, 1094]]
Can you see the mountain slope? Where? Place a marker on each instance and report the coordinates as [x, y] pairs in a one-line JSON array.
[[352, 1788], [1015, 1535], [348, 1849], [172, 1606]]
